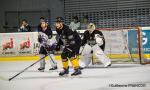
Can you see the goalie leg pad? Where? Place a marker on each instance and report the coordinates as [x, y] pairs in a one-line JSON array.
[[97, 51], [86, 56]]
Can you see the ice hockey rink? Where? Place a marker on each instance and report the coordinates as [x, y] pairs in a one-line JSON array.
[[116, 77]]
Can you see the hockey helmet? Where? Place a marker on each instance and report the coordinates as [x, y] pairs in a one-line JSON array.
[[91, 27]]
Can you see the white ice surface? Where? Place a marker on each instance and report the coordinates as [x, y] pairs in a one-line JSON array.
[[91, 78]]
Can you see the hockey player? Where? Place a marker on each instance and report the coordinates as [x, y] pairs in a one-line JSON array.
[[92, 43], [46, 42], [74, 25], [69, 41]]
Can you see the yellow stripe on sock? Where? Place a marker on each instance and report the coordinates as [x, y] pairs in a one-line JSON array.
[[75, 63]]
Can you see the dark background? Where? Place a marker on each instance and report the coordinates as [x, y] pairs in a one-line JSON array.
[[104, 13], [13, 11]]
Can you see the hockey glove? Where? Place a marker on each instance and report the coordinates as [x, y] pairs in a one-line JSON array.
[[40, 40]]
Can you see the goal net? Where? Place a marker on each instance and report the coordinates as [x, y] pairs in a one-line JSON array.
[[126, 45]]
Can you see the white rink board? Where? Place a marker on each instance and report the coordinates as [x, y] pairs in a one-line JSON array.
[[115, 42], [18, 44]]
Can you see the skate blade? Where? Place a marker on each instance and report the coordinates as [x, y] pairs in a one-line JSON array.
[[76, 76], [65, 75], [41, 70]]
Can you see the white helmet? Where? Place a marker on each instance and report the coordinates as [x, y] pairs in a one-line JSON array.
[[91, 27]]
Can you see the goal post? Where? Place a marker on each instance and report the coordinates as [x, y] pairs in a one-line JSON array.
[[143, 39], [140, 46]]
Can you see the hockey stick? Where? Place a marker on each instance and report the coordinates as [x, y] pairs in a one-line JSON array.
[[49, 55], [32, 65], [27, 68]]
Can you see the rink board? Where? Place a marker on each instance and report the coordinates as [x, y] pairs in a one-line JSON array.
[[114, 46]]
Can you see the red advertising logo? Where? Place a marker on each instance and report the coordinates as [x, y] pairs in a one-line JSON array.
[[8, 45], [25, 44]]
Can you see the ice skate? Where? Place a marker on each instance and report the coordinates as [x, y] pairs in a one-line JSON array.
[[76, 72], [53, 68], [65, 72], [41, 69]]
